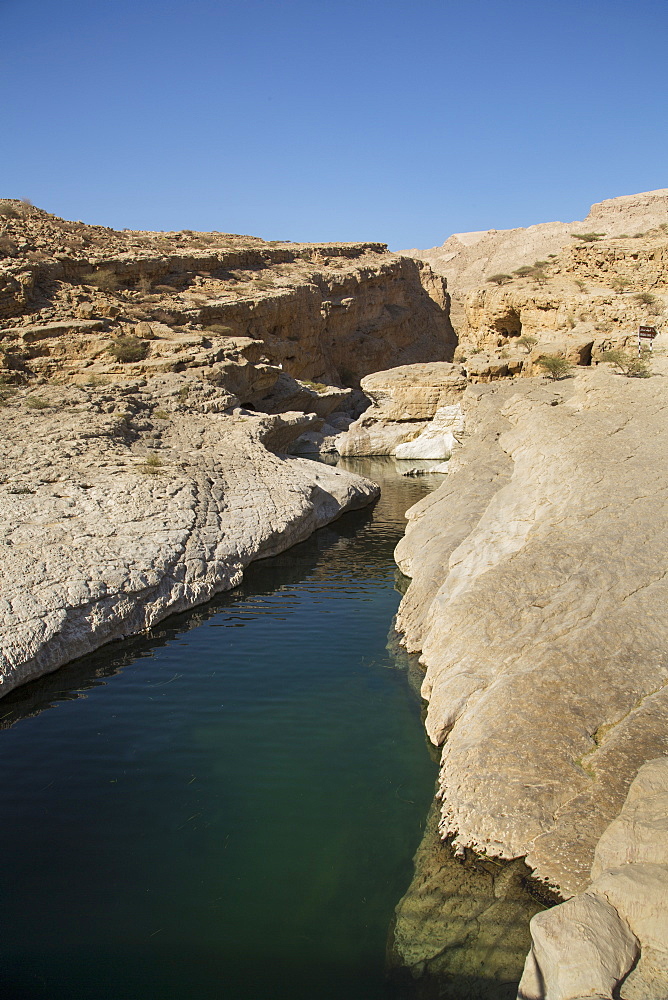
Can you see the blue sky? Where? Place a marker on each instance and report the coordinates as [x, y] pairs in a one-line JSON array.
[[356, 119]]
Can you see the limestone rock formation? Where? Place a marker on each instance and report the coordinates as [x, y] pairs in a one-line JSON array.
[[210, 303], [538, 599], [124, 503], [612, 939], [577, 288], [467, 259], [135, 483], [405, 401]]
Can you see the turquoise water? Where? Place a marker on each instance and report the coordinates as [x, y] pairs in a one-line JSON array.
[[228, 807]]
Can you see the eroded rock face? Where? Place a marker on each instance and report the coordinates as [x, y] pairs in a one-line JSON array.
[[612, 939], [469, 258], [123, 504], [538, 600], [576, 288], [405, 401], [209, 303]]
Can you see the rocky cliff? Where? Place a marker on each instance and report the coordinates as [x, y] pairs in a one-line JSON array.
[[577, 288], [150, 386], [207, 301], [537, 601]]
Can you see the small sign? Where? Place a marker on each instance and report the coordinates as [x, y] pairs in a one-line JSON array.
[[646, 333]]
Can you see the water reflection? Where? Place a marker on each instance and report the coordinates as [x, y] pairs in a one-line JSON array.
[[228, 806]]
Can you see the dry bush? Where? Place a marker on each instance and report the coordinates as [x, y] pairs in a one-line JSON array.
[[128, 349]]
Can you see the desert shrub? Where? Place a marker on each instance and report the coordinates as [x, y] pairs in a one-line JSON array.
[[539, 276], [316, 386], [182, 394], [500, 279], [628, 364], [94, 381], [104, 279], [167, 289], [524, 271], [541, 263], [582, 285], [587, 237], [128, 349], [645, 298], [555, 366], [619, 284], [37, 403], [8, 212], [527, 342], [161, 415], [570, 321], [152, 466]]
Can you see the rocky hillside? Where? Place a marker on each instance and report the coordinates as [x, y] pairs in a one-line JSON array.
[[469, 259], [575, 289], [78, 301]]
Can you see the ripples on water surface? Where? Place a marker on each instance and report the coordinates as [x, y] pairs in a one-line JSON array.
[[229, 807]]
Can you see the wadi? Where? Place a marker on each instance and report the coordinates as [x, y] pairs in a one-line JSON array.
[[177, 406]]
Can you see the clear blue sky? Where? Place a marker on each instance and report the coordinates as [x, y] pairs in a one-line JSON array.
[[318, 120]]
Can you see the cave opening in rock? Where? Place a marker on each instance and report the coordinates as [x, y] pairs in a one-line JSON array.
[[509, 324]]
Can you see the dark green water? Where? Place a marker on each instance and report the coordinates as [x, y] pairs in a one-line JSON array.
[[228, 807]]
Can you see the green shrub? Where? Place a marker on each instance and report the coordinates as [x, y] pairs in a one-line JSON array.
[[316, 386], [152, 466], [500, 279], [582, 285], [587, 237], [527, 342], [628, 364], [524, 271], [104, 279], [161, 415], [127, 349], [555, 366]]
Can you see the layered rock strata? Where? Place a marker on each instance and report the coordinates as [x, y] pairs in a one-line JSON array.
[[537, 601], [234, 309], [577, 288], [123, 504], [415, 408]]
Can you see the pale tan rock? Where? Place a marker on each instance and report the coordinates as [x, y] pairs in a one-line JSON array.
[[439, 438], [404, 400], [635, 887], [96, 544], [550, 582], [640, 832], [468, 258], [580, 949]]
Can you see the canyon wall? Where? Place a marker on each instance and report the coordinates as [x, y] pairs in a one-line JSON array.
[[150, 387]]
